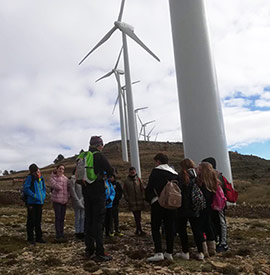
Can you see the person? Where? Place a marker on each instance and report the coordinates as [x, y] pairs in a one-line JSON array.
[[219, 218], [35, 190], [134, 194], [208, 182], [94, 202], [158, 178], [78, 206], [115, 208], [186, 212], [110, 195], [59, 196]]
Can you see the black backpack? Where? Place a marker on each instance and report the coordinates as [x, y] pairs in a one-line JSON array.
[[23, 196]]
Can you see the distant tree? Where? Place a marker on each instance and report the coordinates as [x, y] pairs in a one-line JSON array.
[[12, 172], [5, 173], [59, 158], [81, 151]]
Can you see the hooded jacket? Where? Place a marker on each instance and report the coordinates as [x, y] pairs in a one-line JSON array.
[[60, 191], [158, 178], [39, 194]]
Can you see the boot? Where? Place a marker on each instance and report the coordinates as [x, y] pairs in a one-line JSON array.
[[211, 248], [205, 249]]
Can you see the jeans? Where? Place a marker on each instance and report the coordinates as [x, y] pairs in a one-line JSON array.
[[60, 213], [159, 214], [108, 221], [34, 215], [137, 218], [115, 218], [79, 220]]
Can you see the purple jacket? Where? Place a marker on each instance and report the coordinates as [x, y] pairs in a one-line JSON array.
[[60, 191]]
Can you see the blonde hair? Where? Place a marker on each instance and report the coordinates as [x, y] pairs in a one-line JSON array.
[[208, 176], [186, 164]]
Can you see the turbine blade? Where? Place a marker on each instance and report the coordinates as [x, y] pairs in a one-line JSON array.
[[151, 130], [137, 81], [104, 76], [121, 11], [139, 119], [116, 65], [149, 122], [115, 104], [140, 131], [104, 39], [133, 36]]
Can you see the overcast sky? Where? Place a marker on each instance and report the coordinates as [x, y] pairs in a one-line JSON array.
[[51, 105]]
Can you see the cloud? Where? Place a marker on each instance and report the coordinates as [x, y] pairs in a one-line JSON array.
[[50, 105]]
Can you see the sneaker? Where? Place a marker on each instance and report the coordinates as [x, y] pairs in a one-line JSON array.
[[40, 241], [102, 258], [222, 248], [142, 233], [168, 256], [182, 255], [156, 258], [119, 234], [199, 256]]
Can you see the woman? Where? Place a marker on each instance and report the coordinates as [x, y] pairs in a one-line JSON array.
[[59, 197], [133, 190], [158, 178], [78, 206], [186, 213], [208, 183]]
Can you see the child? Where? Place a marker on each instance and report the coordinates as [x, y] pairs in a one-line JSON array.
[[78, 206], [115, 208], [110, 194]]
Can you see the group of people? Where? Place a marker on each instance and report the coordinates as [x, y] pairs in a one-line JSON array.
[[96, 205]]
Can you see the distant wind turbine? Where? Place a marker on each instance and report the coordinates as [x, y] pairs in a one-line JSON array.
[[137, 116], [149, 133], [117, 74], [143, 128], [127, 30]]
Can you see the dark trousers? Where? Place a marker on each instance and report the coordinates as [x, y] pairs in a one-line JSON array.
[[60, 213], [195, 227], [137, 218], [159, 214], [206, 224], [94, 221], [108, 221], [34, 215], [115, 218]]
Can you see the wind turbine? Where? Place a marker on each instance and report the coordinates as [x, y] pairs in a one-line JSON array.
[[137, 116], [149, 133], [127, 30], [117, 74], [143, 128]]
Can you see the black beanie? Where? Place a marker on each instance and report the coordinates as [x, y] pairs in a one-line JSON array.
[[210, 160], [33, 168]]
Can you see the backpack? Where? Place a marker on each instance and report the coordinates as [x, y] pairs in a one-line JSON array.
[[197, 199], [230, 193], [219, 200], [23, 196], [170, 196], [85, 168]]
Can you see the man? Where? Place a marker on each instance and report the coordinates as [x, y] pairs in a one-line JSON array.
[[219, 218], [35, 190], [94, 202], [157, 181]]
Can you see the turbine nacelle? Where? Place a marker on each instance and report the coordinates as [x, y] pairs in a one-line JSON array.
[[123, 25]]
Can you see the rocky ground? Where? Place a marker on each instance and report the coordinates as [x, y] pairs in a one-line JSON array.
[[249, 253]]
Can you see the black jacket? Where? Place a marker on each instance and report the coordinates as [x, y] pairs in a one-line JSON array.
[[101, 165], [118, 192], [157, 180]]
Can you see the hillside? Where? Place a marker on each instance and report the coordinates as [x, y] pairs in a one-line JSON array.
[[251, 174]]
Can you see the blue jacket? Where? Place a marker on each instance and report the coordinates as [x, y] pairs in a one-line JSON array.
[[39, 194], [110, 194]]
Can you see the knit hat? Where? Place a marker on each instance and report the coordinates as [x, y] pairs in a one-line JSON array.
[[33, 168], [210, 160], [96, 141]]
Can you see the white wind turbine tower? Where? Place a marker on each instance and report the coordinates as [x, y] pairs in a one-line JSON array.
[[123, 88], [117, 74], [127, 30]]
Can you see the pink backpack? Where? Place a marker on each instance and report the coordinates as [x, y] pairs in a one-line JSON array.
[[219, 200]]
